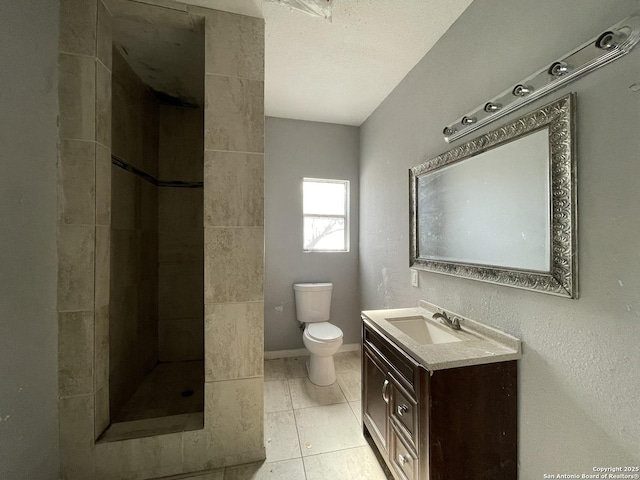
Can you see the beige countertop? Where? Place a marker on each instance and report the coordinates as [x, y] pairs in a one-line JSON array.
[[479, 343]]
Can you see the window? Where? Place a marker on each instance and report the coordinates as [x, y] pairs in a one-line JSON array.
[[325, 209]]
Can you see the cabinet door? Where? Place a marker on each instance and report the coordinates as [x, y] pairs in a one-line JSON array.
[[375, 400]]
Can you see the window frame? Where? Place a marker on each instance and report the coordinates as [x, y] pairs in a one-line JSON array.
[[345, 217]]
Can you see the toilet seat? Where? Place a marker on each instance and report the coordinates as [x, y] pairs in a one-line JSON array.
[[323, 331]]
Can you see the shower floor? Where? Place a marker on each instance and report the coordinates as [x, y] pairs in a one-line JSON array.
[[170, 399]]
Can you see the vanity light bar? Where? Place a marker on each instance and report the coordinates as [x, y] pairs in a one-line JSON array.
[[597, 52]]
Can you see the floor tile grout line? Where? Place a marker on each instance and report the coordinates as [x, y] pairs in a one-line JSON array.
[[344, 394], [295, 419], [335, 451], [289, 393], [321, 405], [295, 422]]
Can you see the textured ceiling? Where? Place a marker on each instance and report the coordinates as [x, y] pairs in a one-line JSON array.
[[336, 72], [340, 72]]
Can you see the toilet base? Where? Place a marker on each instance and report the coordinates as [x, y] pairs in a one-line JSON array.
[[321, 370]]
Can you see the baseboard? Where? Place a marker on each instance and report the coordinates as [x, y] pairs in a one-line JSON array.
[[301, 352]]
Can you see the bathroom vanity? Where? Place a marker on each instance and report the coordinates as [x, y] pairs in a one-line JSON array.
[[439, 403]]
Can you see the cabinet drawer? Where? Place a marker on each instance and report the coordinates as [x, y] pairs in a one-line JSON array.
[[398, 361], [402, 458], [404, 412]]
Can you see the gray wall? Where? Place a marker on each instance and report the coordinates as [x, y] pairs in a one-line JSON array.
[[28, 265], [579, 386], [295, 149]]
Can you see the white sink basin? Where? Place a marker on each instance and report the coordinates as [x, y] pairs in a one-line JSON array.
[[422, 331]]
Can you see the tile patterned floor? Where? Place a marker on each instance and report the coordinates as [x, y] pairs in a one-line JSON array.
[[311, 433]]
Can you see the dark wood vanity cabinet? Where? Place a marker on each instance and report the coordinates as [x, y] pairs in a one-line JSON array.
[[452, 424]]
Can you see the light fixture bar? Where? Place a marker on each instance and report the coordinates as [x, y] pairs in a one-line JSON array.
[[597, 52]]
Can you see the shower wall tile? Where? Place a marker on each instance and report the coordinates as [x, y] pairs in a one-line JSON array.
[[147, 302], [148, 310], [75, 357], [152, 457], [108, 464], [122, 338], [181, 143], [133, 322], [122, 334], [103, 185], [180, 208], [178, 248], [133, 123], [140, 458], [76, 183], [76, 426], [148, 280], [149, 343], [101, 349], [181, 235], [101, 411], [200, 453], [103, 105], [234, 245], [77, 96], [123, 199], [180, 122], [235, 189], [104, 35], [241, 428], [181, 159], [180, 339], [102, 266], [234, 114], [234, 45], [75, 267], [233, 427], [148, 200], [122, 386], [234, 341], [234, 264], [150, 139], [125, 268], [123, 341], [180, 295], [78, 26]]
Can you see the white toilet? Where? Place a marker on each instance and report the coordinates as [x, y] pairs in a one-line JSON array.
[[322, 339]]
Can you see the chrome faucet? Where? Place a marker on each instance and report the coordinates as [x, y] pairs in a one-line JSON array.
[[453, 323]]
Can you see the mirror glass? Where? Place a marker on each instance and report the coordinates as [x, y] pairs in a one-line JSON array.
[[501, 208], [491, 209]]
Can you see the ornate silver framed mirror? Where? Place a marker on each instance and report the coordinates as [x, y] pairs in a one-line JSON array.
[[501, 208]]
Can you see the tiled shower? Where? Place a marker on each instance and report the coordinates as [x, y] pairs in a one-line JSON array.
[[156, 327], [189, 238]]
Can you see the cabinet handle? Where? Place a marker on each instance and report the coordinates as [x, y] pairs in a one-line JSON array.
[[402, 409], [385, 395], [403, 459]]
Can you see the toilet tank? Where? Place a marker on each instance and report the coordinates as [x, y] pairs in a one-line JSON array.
[[313, 301]]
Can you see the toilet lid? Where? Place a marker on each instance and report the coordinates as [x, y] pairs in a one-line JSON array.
[[323, 331]]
